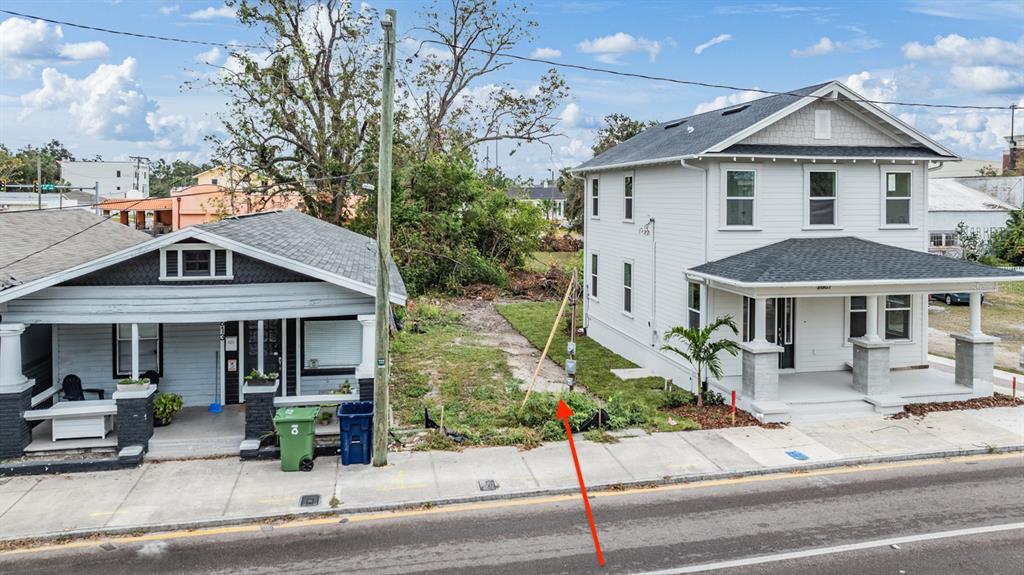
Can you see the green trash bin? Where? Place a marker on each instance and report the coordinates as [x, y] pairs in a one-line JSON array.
[[296, 430]]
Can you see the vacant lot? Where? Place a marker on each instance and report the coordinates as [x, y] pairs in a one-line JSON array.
[[1001, 316]]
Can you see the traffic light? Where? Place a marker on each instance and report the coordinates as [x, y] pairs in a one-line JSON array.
[[35, 186]]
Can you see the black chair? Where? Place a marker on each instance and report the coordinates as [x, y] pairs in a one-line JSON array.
[[72, 390], [153, 377]]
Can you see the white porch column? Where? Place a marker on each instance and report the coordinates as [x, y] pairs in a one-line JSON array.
[[975, 353], [12, 380], [369, 323], [760, 311], [135, 351], [871, 333]]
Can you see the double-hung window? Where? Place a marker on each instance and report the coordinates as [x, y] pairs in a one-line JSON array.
[[898, 194], [149, 348], [627, 287], [739, 197], [627, 198], [858, 316], [331, 345], [593, 275], [195, 261], [595, 204], [821, 198], [693, 304], [897, 317]]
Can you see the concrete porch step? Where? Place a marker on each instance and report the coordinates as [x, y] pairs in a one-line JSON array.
[[822, 410]]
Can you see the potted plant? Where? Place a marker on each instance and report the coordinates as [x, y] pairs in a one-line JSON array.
[[344, 389], [325, 415], [129, 384], [165, 406], [256, 377]]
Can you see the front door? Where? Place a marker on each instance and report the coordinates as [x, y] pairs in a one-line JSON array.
[[780, 327]]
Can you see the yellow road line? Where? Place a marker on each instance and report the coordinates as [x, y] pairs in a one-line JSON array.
[[501, 504]]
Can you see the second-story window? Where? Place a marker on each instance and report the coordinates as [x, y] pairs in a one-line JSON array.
[[739, 197], [627, 197], [897, 198], [821, 198], [118, 173], [595, 206], [627, 287], [693, 304]]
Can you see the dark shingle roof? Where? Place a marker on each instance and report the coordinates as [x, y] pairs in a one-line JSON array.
[[537, 193], [310, 241], [842, 259], [697, 134], [832, 151], [22, 234]]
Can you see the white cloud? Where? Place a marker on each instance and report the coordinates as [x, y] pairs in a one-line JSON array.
[[609, 49], [716, 40], [572, 116], [967, 51], [211, 56], [212, 13], [827, 45], [25, 44], [110, 104], [969, 9], [728, 100], [546, 53], [575, 152], [873, 86], [985, 78], [169, 9]]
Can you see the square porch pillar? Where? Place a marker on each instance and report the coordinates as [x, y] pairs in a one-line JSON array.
[[975, 354], [259, 409], [760, 370], [15, 393], [134, 419], [871, 365]]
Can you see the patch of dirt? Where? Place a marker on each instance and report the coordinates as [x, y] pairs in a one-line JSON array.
[[495, 330], [713, 416], [922, 409], [562, 243]]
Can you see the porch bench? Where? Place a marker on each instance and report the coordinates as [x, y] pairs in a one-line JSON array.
[[78, 419]]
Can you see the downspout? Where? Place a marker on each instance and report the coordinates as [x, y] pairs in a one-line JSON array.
[[707, 236], [654, 282]]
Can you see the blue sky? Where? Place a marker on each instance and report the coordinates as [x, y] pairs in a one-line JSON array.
[[119, 96]]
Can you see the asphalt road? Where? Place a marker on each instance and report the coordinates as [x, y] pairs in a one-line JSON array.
[[669, 530]]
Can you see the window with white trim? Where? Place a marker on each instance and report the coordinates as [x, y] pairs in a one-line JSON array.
[[821, 198], [149, 348], [331, 345], [857, 307], [627, 287], [898, 194], [942, 239], [195, 262], [897, 316], [593, 275], [595, 205], [739, 197], [693, 304], [627, 198]]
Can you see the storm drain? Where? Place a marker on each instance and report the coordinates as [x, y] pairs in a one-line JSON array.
[[487, 484], [309, 501]]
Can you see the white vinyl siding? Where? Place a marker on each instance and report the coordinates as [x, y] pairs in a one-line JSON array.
[[331, 344]]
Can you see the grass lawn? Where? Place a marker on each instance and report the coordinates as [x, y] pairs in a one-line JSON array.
[[540, 262], [594, 361], [438, 361], [1001, 316]]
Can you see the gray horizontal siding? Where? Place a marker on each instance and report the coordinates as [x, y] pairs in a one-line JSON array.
[[191, 365], [85, 351]]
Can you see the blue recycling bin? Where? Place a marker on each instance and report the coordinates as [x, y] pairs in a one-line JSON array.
[[356, 421]]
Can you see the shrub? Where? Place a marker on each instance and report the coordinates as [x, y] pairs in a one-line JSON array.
[[165, 406], [538, 410], [713, 398], [625, 411], [678, 397]]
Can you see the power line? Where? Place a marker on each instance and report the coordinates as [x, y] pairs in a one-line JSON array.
[[133, 34], [691, 82]]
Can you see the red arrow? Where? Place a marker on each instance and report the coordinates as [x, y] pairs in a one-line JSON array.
[[564, 413]]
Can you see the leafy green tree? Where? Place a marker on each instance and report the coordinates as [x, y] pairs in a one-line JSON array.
[[701, 351], [1008, 243], [50, 156], [972, 246], [617, 129], [572, 187], [10, 165]]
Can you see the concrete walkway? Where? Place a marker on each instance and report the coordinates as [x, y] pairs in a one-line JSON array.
[[203, 492]]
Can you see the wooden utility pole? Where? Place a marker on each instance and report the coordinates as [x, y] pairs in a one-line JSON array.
[[382, 371], [39, 180]]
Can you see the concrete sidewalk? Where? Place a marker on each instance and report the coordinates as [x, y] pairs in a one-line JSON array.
[[178, 494]]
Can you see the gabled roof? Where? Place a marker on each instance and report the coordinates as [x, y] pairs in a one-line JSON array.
[[715, 131], [25, 237], [949, 195], [842, 259], [537, 193], [287, 239]]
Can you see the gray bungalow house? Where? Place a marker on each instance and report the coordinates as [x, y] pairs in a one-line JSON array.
[[277, 292]]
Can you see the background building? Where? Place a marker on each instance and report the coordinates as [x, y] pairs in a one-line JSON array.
[[128, 179], [951, 202]]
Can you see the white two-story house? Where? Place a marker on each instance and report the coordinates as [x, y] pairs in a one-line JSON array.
[[803, 216]]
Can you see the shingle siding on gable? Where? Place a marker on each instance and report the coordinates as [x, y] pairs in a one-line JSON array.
[[145, 270], [798, 129]]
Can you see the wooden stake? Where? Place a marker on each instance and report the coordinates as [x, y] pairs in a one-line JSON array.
[[551, 336]]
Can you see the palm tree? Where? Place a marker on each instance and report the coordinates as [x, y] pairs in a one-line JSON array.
[[701, 352]]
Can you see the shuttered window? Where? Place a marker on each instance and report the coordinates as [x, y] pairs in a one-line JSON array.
[[195, 262], [331, 344]]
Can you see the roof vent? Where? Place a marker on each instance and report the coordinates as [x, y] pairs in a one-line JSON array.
[[675, 124], [735, 110]]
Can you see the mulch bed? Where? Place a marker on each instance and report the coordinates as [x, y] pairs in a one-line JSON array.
[[714, 416], [922, 409]]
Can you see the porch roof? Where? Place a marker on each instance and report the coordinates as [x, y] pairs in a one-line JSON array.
[[843, 261]]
